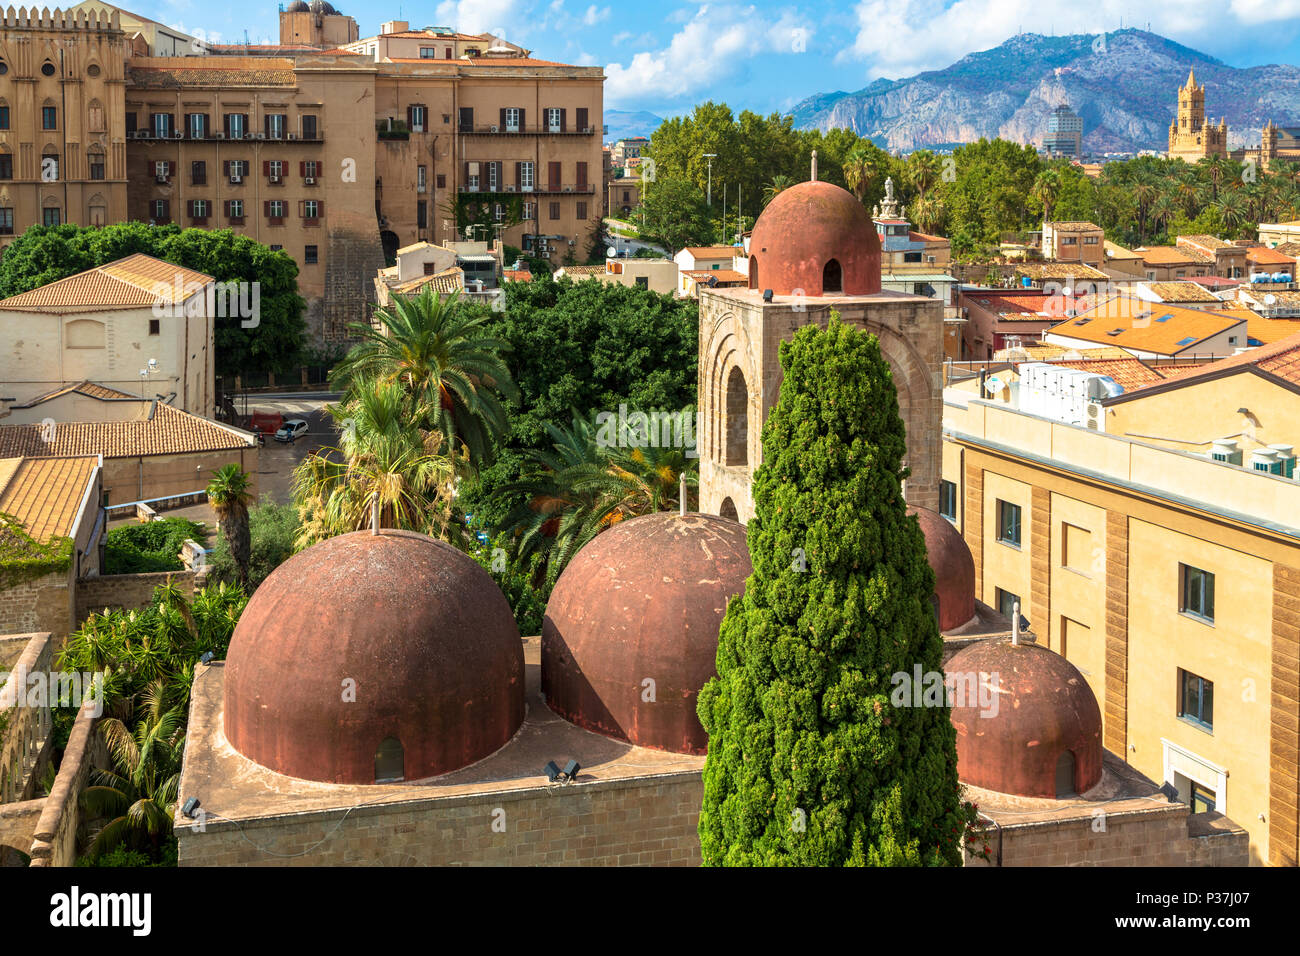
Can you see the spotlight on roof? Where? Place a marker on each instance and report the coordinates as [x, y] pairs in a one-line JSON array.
[[552, 771], [191, 805], [767, 295], [571, 770], [207, 657]]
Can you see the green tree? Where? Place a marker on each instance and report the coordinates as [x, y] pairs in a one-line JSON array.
[[449, 368], [272, 531], [44, 254], [773, 189], [809, 763], [229, 494], [675, 214]]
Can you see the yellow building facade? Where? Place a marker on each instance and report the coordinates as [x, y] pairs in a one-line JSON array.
[[1191, 137]]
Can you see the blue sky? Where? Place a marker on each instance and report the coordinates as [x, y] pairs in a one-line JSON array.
[[666, 55]]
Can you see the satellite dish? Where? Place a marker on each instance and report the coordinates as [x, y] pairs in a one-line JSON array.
[[611, 252]]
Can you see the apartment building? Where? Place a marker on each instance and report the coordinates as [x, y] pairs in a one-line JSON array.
[[1170, 579], [337, 156], [1074, 242]]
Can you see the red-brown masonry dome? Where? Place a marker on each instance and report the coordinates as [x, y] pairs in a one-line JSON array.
[[421, 633], [1044, 711], [642, 602], [954, 568], [799, 234]]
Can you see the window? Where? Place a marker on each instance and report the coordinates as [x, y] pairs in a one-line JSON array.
[[428, 53], [832, 276], [162, 125], [199, 173], [310, 209], [51, 217], [235, 209], [96, 161], [275, 248], [95, 118], [160, 211], [50, 168], [421, 215], [199, 209], [162, 171], [237, 169], [309, 126], [1008, 523], [155, 326], [555, 210], [47, 69], [310, 169], [526, 175], [441, 180], [49, 117], [309, 256], [4, 117], [6, 221], [498, 212], [236, 125], [948, 499], [274, 170], [1069, 241], [1196, 699], [1202, 798], [643, 282], [275, 125], [389, 765], [582, 210], [582, 118], [554, 120], [1007, 603], [1197, 592], [197, 125], [1090, 240], [6, 166], [512, 119], [275, 209], [530, 210], [421, 178]]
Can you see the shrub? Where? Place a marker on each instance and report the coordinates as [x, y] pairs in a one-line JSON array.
[[272, 528], [152, 546]]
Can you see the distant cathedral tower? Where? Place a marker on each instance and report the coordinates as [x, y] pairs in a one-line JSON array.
[[1190, 137]]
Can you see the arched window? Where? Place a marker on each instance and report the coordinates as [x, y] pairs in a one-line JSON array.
[[832, 278], [390, 763], [737, 446], [95, 162], [95, 117], [1065, 774], [753, 272], [84, 334], [728, 510]]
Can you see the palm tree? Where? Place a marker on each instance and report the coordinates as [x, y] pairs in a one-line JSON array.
[[139, 794], [1046, 189], [450, 370], [859, 171], [928, 212], [382, 453], [1231, 209], [778, 184], [923, 171], [1215, 169], [229, 494]]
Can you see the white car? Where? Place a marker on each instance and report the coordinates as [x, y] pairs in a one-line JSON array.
[[291, 429]]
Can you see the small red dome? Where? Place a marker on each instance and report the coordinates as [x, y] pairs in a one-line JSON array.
[[642, 602], [365, 643], [1027, 721], [809, 234], [954, 568]]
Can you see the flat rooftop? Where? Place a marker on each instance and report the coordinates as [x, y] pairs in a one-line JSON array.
[[233, 788]]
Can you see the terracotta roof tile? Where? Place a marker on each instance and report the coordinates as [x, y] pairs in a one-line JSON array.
[[517, 275], [130, 283], [1059, 270], [46, 494], [1170, 256], [1281, 359], [711, 252], [1148, 326], [89, 389], [1129, 373], [1182, 292], [167, 431], [1262, 255]]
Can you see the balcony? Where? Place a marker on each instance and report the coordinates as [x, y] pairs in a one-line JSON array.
[[528, 129], [550, 189], [217, 136]]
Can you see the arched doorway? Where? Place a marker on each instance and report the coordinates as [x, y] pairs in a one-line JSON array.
[[390, 764], [391, 245], [832, 277], [728, 510], [1065, 774], [737, 444], [753, 272]]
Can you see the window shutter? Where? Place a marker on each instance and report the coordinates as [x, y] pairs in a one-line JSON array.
[[167, 209], [582, 118], [302, 208], [266, 167], [466, 180], [521, 119], [410, 117], [302, 169], [226, 207], [563, 114], [519, 175], [225, 167], [502, 127], [320, 209], [266, 207]]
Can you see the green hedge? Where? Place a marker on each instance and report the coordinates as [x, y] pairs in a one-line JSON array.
[[152, 546]]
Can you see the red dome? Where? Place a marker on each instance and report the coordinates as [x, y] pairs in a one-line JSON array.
[[641, 602], [802, 230], [418, 630], [954, 568], [1031, 716]]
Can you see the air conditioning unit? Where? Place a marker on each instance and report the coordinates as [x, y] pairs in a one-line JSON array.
[[510, 189], [141, 134], [273, 178], [1096, 416], [309, 180], [217, 135], [162, 180], [179, 134], [259, 136], [495, 129], [568, 189], [236, 179]]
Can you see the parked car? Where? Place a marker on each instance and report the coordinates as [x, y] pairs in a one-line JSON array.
[[292, 429]]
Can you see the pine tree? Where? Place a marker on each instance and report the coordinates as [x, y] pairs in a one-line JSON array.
[[809, 763]]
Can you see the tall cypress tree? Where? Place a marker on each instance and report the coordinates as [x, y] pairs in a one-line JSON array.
[[809, 763]]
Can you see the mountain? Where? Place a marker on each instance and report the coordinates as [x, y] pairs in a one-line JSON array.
[[1124, 84], [623, 124]]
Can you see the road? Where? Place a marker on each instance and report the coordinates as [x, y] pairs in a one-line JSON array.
[[278, 459], [631, 245]]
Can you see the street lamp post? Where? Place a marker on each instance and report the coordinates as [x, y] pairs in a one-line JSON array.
[[710, 157]]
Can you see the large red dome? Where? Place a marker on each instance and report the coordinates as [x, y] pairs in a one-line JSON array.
[[417, 631], [642, 602], [809, 233], [953, 565], [1037, 730]]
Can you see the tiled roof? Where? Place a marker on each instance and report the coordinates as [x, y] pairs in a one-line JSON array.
[[1047, 352], [46, 494], [1129, 373], [517, 275], [90, 389], [722, 275], [1182, 292], [1266, 296], [204, 74], [1020, 306], [1288, 248], [1149, 326], [1116, 251], [582, 272], [1059, 270], [924, 237], [1074, 225], [1207, 241], [129, 283], [711, 252], [160, 430], [1281, 359], [1262, 255], [446, 281], [1170, 256], [1264, 330]]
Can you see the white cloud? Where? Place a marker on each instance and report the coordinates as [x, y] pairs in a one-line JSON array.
[[480, 16], [712, 44], [594, 15], [901, 37]]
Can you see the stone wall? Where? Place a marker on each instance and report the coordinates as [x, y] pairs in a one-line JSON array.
[[632, 822], [129, 592], [57, 829], [1162, 836], [41, 604], [25, 738]]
